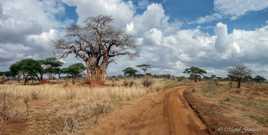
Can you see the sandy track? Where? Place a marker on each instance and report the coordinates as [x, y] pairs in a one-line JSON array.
[[165, 113]]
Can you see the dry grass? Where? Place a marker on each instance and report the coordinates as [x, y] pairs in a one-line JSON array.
[[246, 107], [61, 109]]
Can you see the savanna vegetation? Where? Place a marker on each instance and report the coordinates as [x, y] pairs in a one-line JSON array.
[[47, 96]]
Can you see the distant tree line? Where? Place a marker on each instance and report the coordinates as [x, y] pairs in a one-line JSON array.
[[31, 70], [34, 70], [237, 73]]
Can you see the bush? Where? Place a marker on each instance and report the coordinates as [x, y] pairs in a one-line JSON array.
[[35, 95], [6, 106], [128, 83], [147, 83]]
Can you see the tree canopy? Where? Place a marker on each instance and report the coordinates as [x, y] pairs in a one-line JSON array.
[[129, 71], [195, 72], [238, 73], [144, 67], [51, 65], [97, 43], [74, 70], [259, 79], [28, 68]]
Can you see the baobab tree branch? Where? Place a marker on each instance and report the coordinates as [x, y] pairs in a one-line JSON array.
[[96, 43]]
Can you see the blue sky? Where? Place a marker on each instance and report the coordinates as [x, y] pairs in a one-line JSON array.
[[188, 11], [170, 34]]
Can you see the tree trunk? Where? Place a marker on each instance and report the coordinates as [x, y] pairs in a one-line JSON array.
[[41, 76], [238, 83], [26, 79], [195, 79], [59, 77], [97, 74], [73, 79]]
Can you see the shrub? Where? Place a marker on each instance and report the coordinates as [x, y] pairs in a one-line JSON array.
[[6, 106], [128, 83], [35, 95], [147, 82]]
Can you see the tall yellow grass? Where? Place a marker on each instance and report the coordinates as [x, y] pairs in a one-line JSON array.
[[65, 108]]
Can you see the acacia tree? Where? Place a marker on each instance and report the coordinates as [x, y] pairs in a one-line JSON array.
[[238, 73], [129, 71], [195, 72], [144, 67], [30, 69], [97, 43], [51, 66], [74, 70], [259, 79]]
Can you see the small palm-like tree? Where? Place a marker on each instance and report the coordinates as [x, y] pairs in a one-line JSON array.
[[195, 72]]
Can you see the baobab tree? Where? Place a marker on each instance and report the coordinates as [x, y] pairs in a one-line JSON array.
[[238, 73], [97, 43]]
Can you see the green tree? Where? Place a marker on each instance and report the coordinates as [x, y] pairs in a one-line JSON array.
[[195, 72], [14, 70], [259, 79], [144, 67], [74, 70], [51, 66], [5, 73], [129, 71], [30, 69], [238, 73]]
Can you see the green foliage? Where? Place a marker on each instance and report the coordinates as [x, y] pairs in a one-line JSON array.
[[53, 62], [144, 67], [51, 65], [195, 72], [129, 71], [74, 70], [14, 69], [259, 79], [5, 73], [29, 68]]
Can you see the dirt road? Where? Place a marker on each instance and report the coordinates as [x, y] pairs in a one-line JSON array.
[[164, 113]]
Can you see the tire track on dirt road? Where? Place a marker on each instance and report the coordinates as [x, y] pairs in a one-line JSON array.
[[163, 113]]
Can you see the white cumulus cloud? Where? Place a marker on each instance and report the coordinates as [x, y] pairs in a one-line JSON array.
[[239, 7]]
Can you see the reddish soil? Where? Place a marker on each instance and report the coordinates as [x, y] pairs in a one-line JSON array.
[[219, 124], [94, 83], [13, 127], [3, 81], [44, 82], [165, 113]]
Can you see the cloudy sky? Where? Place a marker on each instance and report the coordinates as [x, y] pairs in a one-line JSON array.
[[170, 34]]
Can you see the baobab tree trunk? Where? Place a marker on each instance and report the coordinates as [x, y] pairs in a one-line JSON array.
[[96, 71], [96, 75]]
